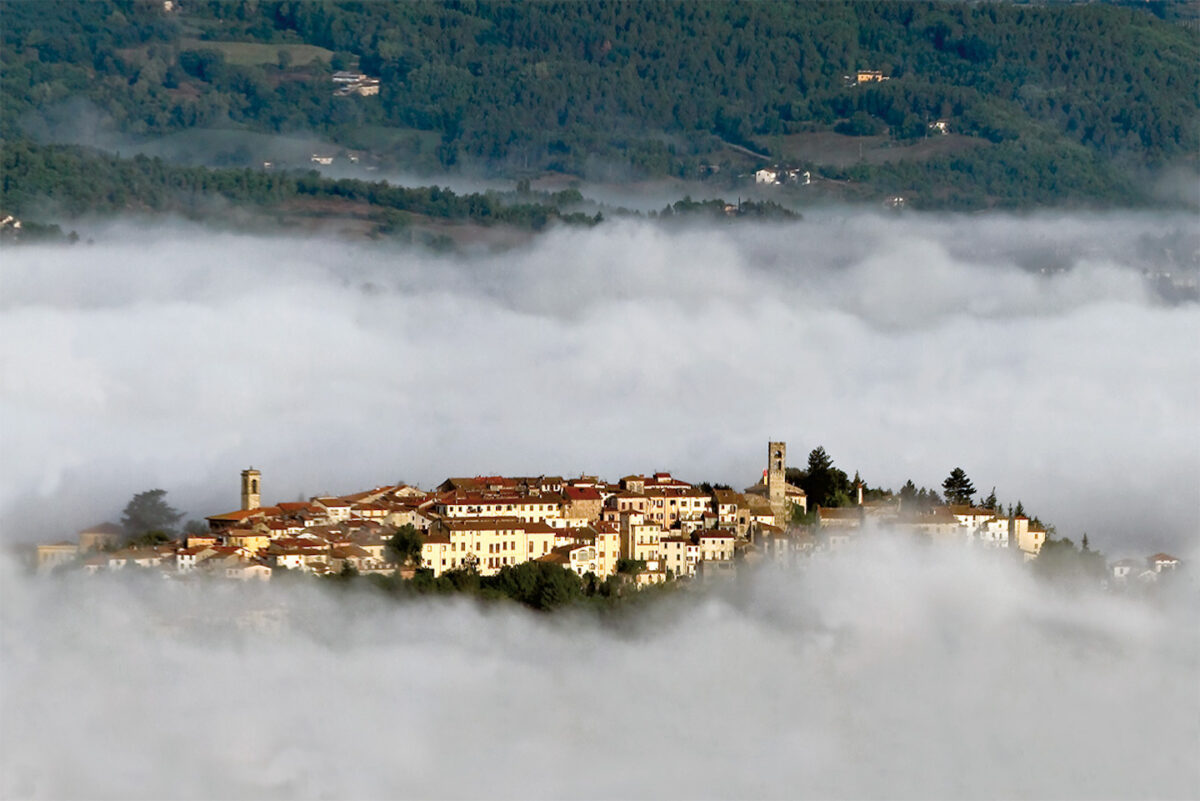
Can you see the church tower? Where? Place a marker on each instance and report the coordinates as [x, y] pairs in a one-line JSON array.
[[776, 472], [250, 488]]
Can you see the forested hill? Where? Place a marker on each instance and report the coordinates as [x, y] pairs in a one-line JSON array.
[[1041, 104]]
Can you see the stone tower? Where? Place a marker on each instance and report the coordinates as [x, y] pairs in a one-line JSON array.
[[251, 480], [776, 470]]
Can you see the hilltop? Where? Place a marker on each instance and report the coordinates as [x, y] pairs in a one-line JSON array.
[[547, 541], [943, 105]]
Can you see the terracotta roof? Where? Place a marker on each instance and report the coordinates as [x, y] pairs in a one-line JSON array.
[[242, 514], [332, 503], [835, 513], [965, 510]]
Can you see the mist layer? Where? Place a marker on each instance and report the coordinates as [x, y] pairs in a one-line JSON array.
[[1041, 354], [881, 673]]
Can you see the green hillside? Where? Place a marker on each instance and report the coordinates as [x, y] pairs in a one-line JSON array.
[[1043, 104]]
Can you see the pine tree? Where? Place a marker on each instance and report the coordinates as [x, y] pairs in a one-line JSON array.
[[990, 503], [147, 512], [958, 487]]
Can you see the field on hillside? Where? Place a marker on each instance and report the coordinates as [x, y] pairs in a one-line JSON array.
[[248, 54]]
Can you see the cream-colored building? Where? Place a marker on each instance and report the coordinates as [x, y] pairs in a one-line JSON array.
[[135, 557], [336, 509], [604, 537], [639, 538], [1029, 538], [485, 543], [679, 556], [938, 523], [103, 537], [667, 505], [59, 553], [579, 558], [253, 541], [248, 571], [715, 546], [545, 508]]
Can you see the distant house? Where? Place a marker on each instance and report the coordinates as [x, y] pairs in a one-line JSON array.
[[680, 556], [368, 87], [765, 176], [51, 556], [354, 83], [248, 571], [834, 517], [100, 538], [870, 76], [1162, 562], [940, 126], [1122, 569], [581, 559], [322, 160]]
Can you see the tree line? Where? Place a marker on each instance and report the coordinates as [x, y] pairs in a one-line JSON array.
[[658, 86], [74, 181]]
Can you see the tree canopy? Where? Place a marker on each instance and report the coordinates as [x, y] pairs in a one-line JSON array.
[[823, 483], [147, 513], [405, 545], [957, 488], [1059, 101]]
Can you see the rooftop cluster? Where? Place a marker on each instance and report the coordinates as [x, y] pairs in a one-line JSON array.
[[643, 529]]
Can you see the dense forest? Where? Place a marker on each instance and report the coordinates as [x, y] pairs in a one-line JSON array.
[[1048, 104], [75, 181]]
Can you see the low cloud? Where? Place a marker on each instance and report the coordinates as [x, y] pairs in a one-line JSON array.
[[1046, 355], [881, 672]]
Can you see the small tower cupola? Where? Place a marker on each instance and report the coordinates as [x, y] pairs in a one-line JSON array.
[[251, 481]]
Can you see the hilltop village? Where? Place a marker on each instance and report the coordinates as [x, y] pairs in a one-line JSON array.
[[647, 529]]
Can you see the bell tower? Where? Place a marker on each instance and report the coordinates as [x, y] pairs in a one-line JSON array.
[[776, 472], [251, 480]]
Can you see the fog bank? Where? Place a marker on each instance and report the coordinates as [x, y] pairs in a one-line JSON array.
[[881, 673], [1046, 355]]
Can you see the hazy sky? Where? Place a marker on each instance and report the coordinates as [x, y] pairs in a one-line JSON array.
[[876, 674], [1031, 351]]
